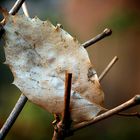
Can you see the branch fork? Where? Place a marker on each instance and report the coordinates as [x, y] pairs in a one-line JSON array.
[[130, 103], [64, 129]]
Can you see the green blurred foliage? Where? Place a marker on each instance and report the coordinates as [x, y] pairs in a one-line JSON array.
[[121, 21]]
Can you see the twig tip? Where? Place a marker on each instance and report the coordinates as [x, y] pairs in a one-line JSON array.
[[107, 31], [137, 99]]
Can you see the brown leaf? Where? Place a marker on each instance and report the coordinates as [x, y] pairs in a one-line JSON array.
[[39, 54]]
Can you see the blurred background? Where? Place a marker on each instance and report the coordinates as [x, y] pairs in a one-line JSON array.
[[85, 19]]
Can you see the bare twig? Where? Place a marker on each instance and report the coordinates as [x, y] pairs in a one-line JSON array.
[[124, 114], [13, 116], [25, 10], [105, 33], [134, 114], [64, 125], [1, 31], [22, 99], [16, 7], [132, 102], [109, 66], [13, 11], [66, 114], [106, 70]]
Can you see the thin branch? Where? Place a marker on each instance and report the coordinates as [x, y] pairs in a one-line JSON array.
[[134, 114], [124, 114], [22, 99], [105, 33], [25, 10], [13, 11], [16, 7], [13, 116], [109, 66], [66, 114], [132, 102], [106, 70], [1, 31], [63, 127]]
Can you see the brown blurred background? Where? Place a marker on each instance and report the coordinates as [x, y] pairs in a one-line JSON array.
[[85, 19]]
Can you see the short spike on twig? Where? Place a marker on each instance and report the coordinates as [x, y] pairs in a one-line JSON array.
[[58, 26]]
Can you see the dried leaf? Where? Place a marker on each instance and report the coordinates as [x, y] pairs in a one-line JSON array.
[[39, 54]]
